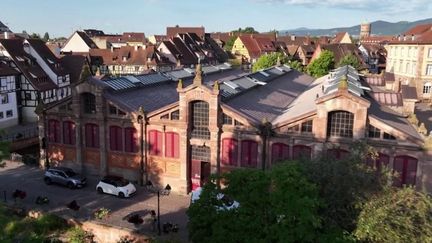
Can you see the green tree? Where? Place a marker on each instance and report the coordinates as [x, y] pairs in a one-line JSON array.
[[269, 60], [322, 65], [46, 36], [351, 60], [277, 205], [346, 184], [230, 43], [247, 30], [398, 215], [35, 36], [296, 65]]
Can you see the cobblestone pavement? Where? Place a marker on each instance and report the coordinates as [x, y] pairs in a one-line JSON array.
[[30, 179]]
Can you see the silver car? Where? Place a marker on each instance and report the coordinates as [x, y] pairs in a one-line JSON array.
[[64, 176]]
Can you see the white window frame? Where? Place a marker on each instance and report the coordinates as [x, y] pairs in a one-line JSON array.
[[427, 88], [429, 70]]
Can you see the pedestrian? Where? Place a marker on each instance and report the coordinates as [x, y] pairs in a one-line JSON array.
[[153, 219]]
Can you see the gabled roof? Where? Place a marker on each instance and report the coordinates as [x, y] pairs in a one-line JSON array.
[[251, 45], [5, 70], [420, 34], [127, 37], [173, 31], [187, 57], [341, 50], [339, 37], [48, 57], [74, 64], [27, 65], [89, 42]]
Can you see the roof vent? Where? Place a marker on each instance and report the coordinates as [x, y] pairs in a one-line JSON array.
[[232, 85], [189, 70], [413, 37]]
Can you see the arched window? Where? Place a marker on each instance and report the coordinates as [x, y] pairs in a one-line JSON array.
[[172, 145], [89, 103], [69, 132], [53, 131], [249, 153], [92, 135], [340, 124], [379, 162], [155, 142], [337, 154], [229, 151], [131, 140], [280, 152], [116, 138], [301, 151], [200, 120], [406, 167]]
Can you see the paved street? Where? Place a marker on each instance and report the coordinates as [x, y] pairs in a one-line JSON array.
[[30, 179]]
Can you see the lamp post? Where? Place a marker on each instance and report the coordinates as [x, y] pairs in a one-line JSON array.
[[141, 122], [158, 203]]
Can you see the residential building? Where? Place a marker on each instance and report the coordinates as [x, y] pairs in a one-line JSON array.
[[339, 51], [249, 48], [8, 98], [43, 76], [157, 39], [210, 120], [78, 42], [128, 60], [172, 32], [185, 49], [4, 28], [342, 38], [409, 57], [374, 56]]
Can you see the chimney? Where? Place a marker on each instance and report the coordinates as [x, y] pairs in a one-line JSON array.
[[413, 37], [6, 35], [293, 37], [112, 48]]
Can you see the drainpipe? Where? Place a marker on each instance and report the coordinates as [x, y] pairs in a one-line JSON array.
[[143, 151]]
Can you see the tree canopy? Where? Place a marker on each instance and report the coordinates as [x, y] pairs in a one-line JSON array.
[[46, 36], [322, 65], [230, 43], [296, 65], [351, 60], [279, 205], [247, 30], [269, 60], [398, 215]]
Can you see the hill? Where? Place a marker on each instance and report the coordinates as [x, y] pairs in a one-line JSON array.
[[378, 28]]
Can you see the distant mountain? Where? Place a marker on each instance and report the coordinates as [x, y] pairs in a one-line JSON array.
[[378, 28]]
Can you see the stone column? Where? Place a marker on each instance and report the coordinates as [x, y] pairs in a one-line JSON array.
[[103, 163]]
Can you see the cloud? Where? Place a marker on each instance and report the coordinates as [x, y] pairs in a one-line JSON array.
[[384, 6]]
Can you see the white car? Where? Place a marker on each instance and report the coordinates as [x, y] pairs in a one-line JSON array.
[[228, 203], [117, 186]]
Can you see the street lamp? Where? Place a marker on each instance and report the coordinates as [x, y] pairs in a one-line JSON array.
[[166, 191], [140, 119]]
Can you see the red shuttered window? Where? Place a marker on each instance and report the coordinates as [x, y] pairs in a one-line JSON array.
[[131, 140], [301, 151], [229, 151], [155, 143], [54, 131], [249, 153], [69, 133], [92, 135], [172, 145], [406, 167], [116, 138], [337, 154], [280, 152]]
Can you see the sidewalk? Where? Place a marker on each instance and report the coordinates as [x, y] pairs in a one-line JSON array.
[[30, 179]]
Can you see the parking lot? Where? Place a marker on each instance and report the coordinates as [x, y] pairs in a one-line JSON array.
[[30, 179]]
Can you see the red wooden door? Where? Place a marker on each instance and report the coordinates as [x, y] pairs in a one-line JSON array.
[[205, 172], [195, 174]]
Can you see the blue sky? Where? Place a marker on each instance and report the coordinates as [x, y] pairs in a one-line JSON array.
[[62, 17]]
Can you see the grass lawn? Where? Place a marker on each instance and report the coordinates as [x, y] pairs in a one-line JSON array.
[[47, 228]]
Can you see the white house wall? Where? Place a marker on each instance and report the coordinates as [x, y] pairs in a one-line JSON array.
[[76, 44]]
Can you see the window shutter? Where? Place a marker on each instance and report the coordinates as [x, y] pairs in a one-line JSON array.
[[411, 171], [159, 144], [168, 145], [112, 135], [176, 145], [253, 153]]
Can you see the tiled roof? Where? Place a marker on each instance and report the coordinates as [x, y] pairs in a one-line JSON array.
[[251, 45], [127, 37], [89, 42], [28, 65], [48, 57], [408, 92], [341, 50], [5, 70], [388, 98], [375, 80], [173, 31], [74, 65], [338, 38], [378, 39], [125, 55], [420, 34]]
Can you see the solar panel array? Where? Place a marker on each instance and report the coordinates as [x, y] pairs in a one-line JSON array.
[[238, 85]]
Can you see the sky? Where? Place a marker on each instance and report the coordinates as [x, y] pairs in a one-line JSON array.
[[62, 17]]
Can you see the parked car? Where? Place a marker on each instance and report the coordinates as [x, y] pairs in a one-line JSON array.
[[116, 185], [227, 202], [64, 176]]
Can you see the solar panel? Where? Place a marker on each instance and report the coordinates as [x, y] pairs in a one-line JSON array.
[[152, 78], [120, 83]]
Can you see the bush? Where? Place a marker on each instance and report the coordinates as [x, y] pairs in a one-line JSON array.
[[78, 235], [48, 223], [398, 215]]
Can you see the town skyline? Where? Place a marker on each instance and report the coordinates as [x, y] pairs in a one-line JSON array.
[[263, 15]]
